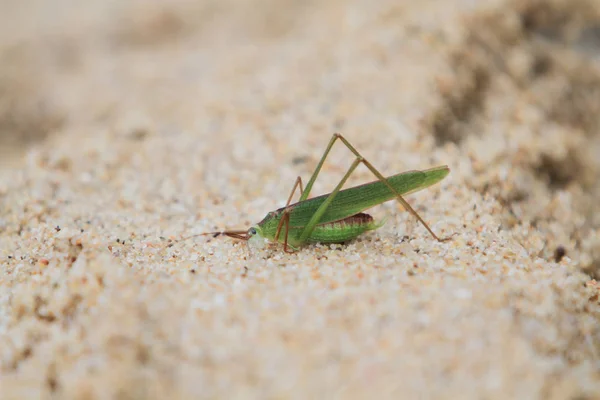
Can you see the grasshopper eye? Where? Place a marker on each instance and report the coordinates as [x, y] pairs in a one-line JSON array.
[[252, 231]]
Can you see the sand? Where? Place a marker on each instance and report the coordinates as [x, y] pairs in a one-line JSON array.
[[127, 125]]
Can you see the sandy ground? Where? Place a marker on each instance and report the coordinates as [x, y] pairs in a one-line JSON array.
[[127, 125]]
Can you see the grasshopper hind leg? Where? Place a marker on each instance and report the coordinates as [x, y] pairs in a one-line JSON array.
[[358, 160]]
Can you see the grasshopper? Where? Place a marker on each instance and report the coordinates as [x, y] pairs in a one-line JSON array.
[[336, 217]]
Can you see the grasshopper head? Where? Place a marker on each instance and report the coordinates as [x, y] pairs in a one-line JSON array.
[[256, 237]]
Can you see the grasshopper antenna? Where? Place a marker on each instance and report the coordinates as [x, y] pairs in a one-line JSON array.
[[240, 234]]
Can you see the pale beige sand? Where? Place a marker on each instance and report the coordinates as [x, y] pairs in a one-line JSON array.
[[123, 126]]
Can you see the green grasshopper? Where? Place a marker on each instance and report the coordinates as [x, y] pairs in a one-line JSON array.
[[336, 217]]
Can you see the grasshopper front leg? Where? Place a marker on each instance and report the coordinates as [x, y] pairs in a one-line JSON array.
[[285, 214]]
